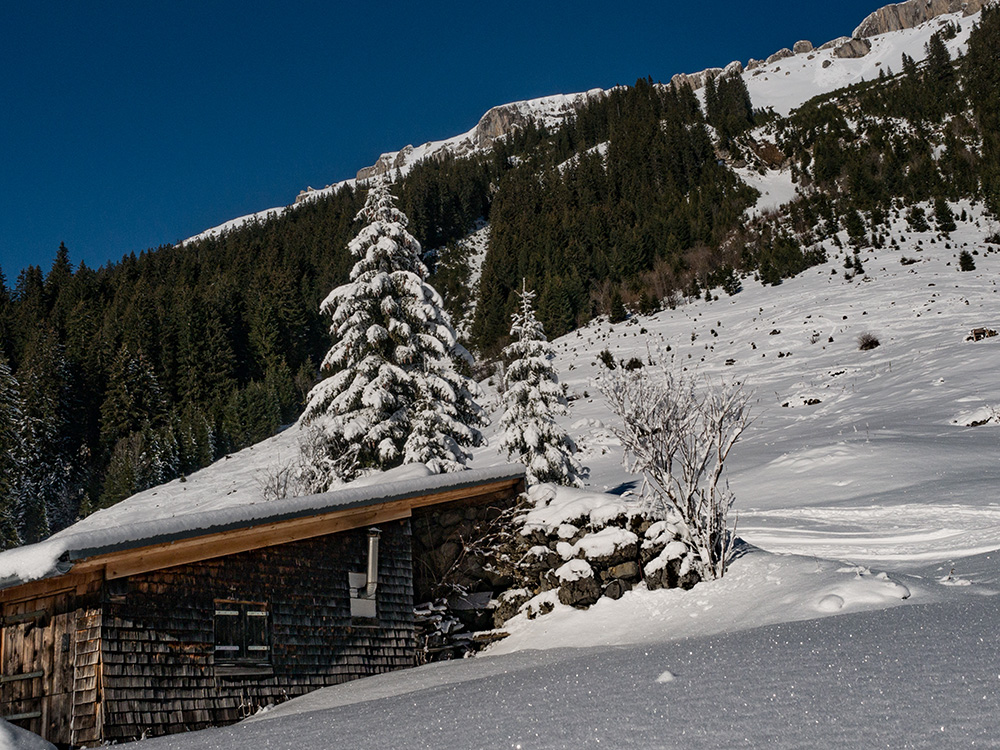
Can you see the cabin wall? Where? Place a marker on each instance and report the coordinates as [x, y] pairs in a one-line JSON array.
[[48, 662], [158, 648]]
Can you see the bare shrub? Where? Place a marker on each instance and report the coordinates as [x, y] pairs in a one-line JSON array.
[[868, 341], [680, 436], [280, 481]]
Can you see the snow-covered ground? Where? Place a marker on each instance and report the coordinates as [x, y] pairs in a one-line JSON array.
[[861, 612], [923, 676], [785, 84]]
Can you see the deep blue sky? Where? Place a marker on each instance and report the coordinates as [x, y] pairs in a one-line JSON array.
[[126, 125]]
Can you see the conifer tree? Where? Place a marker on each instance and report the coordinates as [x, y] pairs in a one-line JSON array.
[[195, 440], [10, 416], [140, 460], [939, 77], [393, 392], [728, 106], [916, 219], [133, 398], [966, 262], [45, 498], [943, 216], [532, 398]]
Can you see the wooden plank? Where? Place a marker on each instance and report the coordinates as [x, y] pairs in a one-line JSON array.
[[24, 617], [146, 559], [23, 716], [86, 697], [63, 650], [23, 676], [89, 582]]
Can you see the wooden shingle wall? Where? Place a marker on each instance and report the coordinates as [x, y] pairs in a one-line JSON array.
[[86, 711], [157, 656]]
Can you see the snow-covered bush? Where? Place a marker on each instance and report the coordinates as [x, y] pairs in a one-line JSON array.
[[679, 436], [532, 397], [393, 393]]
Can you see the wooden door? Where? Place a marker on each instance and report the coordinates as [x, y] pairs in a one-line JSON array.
[[36, 665]]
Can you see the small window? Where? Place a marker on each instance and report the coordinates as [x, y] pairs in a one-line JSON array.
[[242, 633]]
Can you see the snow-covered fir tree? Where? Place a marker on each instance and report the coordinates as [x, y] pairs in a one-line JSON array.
[[393, 393], [10, 416], [532, 398], [44, 494]]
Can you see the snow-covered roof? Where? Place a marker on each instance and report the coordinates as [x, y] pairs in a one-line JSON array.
[[140, 522]]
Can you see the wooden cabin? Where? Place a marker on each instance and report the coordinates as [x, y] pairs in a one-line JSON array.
[[197, 619]]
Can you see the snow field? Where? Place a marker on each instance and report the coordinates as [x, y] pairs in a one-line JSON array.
[[786, 84], [922, 676], [834, 426]]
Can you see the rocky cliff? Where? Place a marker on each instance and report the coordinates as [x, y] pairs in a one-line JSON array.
[[913, 13], [496, 123], [889, 18]]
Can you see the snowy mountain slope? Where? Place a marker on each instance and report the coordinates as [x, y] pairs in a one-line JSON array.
[[782, 85], [549, 111], [788, 83], [838, 428]]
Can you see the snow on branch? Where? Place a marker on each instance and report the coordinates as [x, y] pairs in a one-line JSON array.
[[679, 436]]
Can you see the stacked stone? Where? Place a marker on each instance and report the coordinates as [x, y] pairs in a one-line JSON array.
[[592, 557]]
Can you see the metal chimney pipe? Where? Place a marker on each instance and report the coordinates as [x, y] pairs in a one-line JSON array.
[[373, 535]]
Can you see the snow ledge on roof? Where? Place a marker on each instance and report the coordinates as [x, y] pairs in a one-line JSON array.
[[51, 557]]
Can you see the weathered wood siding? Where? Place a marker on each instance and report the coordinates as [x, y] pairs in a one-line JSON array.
[[157, 657], [86, 710], [37, 656]]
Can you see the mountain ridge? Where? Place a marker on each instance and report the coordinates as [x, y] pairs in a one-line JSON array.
[[552, 110]]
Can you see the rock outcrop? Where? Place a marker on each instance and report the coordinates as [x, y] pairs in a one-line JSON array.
[[496, 123], [802, 46], [695, 80], [853, 48], [835, 42], [386, 163], [781, 54], [913, 13]]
